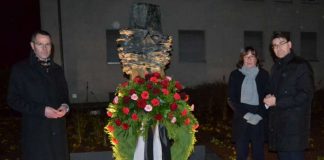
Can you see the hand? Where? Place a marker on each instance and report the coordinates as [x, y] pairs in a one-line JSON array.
[[50, 112], [64, 108], [270, 100]]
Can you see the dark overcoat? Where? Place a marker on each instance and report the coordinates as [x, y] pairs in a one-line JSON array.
[[240, 126], [31, 88], [289, 121]]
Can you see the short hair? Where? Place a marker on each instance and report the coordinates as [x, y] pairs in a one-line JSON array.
[[278, 34], [244, 52], [42, 32]]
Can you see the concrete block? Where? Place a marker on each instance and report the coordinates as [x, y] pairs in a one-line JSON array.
[[105, 155]]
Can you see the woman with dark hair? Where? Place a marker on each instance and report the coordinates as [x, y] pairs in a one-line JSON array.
[[247, 88]]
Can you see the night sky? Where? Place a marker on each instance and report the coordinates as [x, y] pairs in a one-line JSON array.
[[19, 19]]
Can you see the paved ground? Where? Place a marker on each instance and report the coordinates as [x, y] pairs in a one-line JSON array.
[[200, 153]]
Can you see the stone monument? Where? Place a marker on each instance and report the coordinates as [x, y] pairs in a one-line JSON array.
[[143, 48]]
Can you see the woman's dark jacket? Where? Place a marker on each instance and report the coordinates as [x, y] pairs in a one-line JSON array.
[[240, 125], [289, 121], [31, 88]]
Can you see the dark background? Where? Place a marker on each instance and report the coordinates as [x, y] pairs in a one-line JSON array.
[[19, 19]]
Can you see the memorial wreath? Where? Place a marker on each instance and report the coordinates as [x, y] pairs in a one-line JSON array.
[[140, 104]]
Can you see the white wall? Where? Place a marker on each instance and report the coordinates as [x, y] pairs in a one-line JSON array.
[[84, 23]]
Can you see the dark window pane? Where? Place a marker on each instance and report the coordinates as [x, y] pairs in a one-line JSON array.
[[254, 39], [310, 1], [192, 46], [283, 1], [112, 54], [308, 45]]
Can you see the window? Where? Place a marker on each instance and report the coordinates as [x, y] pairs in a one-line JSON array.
[[254, 39], [112, 53], [192, 46], [310, 1], [283, 1], [308, 45]]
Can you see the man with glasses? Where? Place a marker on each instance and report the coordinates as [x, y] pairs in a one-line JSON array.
[[290, 101], [38, 90]]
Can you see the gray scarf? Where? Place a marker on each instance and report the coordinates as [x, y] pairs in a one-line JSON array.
[[249, 91]]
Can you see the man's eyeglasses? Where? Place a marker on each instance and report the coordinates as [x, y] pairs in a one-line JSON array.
[[274, 46]]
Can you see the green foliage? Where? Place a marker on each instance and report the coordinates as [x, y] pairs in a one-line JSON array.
[[126, 146], [184, 140]]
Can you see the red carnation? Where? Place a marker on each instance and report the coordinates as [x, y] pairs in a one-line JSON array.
[[165, 83], [176, 96], [187, 121], [126, 99], [118, 122], [184, 96], [109, 114], [154, 79], [124, 84], [139, 80], [125, 126], [173, 106], [184, 112], [158, 117], [155, 102], [125, 110], [110, 128], [131, 91], [148, 76], [145, 95], [156, 91], [141, 103], [157, 74], [114, 141], [136, 79], [149, 86], [134, 116], [165, 91], [195, 126], [178, 85]]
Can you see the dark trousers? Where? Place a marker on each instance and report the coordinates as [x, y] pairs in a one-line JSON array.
[[295, 155], [253, 135]]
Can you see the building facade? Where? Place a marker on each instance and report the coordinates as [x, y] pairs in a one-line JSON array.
[[207, 38]]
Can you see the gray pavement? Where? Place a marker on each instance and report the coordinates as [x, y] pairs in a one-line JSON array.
[[200, 153]]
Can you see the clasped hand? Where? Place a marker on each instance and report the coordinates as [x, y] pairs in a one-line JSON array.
[[50, 112], [270, 100]]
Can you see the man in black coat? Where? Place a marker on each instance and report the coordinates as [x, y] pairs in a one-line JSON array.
[[38, 90], [290, 101]]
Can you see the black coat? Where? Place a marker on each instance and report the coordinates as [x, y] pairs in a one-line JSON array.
[[240, 125], [289, 121], [31, 88]]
